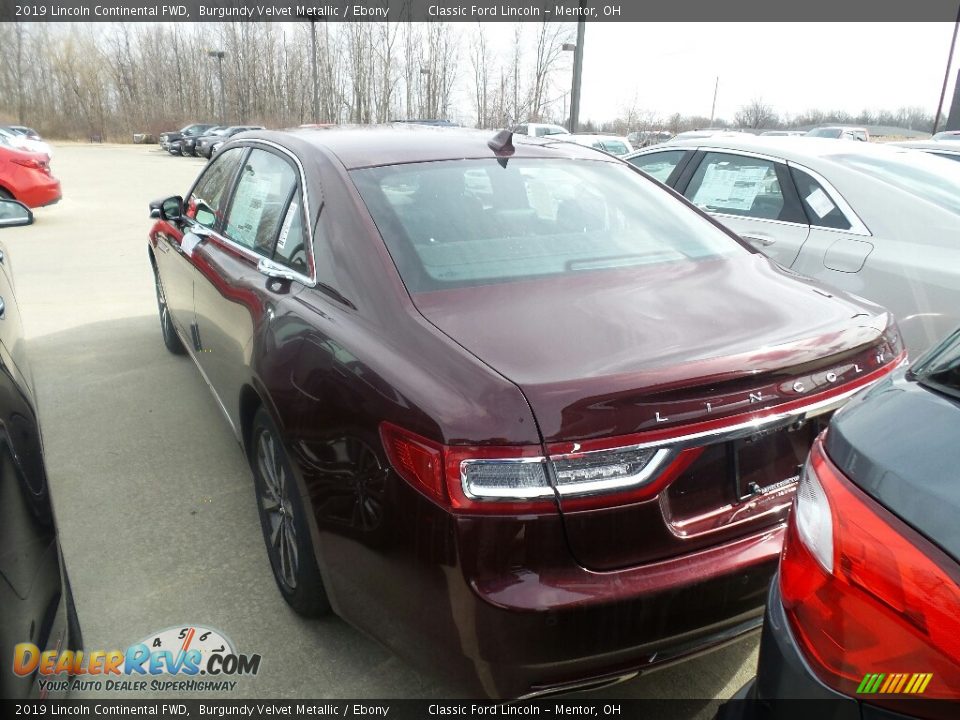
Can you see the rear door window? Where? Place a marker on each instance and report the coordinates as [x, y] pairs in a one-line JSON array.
[[744, 186], [821, 210]]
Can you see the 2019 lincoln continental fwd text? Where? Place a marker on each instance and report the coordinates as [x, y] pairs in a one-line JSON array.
[[513, 408]]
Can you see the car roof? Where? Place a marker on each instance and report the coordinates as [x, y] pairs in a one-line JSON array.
[[948, 147], [598, 136], [369, 146], [790, 148]]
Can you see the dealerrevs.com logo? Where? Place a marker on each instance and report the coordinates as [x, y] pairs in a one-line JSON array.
[[204, 659]]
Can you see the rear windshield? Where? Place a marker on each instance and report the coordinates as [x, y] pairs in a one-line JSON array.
[[614, 147], [471, 222], [917, 173]]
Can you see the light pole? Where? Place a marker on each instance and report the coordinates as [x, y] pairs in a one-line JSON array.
[[946, 75], [219, 55], [713, 108], [313, 64], [577, 70]]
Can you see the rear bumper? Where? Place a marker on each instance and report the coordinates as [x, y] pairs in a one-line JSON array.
[[569, 627], [41, 190], [784, 677]]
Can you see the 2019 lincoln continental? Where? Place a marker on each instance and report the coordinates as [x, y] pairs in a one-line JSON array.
[[512, 407]]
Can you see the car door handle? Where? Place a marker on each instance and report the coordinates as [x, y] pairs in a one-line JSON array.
[[764, 241]]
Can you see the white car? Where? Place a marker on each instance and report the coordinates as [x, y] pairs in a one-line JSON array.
[[875, 220], [613, 144], [22, 142], [540, 129]]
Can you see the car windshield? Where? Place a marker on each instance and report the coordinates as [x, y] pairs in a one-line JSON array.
[[919, 174], [615, 147], [462, 223], [825, 132], [939, 368]]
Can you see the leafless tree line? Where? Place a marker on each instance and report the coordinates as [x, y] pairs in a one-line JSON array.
[[111, 80], [761, 115]]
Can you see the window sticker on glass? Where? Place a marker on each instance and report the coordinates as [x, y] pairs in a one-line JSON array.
[[288, 221], [820, 203], [730, 189], [248, 206]]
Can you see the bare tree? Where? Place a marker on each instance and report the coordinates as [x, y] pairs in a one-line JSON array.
[[755, 114], [549, 47]]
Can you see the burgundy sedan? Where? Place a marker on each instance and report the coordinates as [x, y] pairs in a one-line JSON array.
[[513, 408]]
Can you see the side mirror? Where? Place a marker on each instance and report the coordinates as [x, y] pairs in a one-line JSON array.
[[170, 208], [14, 213]]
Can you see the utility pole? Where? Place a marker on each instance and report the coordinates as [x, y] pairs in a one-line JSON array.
[[313, 65], [713, 108], [577, 69], [219, 55], [946, 75]]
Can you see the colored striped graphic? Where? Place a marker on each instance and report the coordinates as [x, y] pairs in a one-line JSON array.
[[894, 683]]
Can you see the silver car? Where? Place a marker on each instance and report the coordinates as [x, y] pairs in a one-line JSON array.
[[878, 221]]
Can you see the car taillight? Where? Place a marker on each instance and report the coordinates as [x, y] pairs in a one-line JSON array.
[[867, 594], [513, 478], [29, 162]]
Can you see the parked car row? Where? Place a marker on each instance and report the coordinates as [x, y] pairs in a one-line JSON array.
[[201, 139], [510, 405]]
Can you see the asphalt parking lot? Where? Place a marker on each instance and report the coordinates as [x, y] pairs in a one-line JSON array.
[[153, 496]]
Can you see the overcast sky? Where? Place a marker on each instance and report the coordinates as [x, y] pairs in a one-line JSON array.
[[794, 67]]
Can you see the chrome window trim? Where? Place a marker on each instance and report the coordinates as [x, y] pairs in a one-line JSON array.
[[307, 280]]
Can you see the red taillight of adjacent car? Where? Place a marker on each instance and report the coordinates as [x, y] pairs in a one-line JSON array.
[[865, 593], [32, 163]]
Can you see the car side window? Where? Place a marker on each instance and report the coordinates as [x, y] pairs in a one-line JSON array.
[[208, 199], [291, 247], [659, 165], [741, 185], [261, 201], [821, 210]]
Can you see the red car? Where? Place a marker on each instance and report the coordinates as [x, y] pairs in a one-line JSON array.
[[26, 177], [517, 410]]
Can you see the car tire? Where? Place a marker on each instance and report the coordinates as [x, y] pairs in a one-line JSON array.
[[283, 520], [170, 337]]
